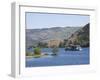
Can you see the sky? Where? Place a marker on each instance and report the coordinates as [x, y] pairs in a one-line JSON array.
[[47, 20]]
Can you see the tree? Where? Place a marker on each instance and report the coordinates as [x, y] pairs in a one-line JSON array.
[[61, 45], [37, 51], [41, 44], [76, 42], [70, 42], [65, 42]]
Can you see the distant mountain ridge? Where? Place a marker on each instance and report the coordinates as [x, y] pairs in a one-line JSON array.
[[80, 37], [49, 35]]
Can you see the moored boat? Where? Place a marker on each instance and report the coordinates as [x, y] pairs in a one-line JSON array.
[[73, 48]]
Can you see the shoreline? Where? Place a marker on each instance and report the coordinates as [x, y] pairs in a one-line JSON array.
[[35, 56]]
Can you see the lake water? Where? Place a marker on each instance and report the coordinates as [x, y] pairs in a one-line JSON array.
[[63, 58]]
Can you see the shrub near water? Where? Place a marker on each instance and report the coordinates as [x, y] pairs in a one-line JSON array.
[[37, 51], [29, 54]]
